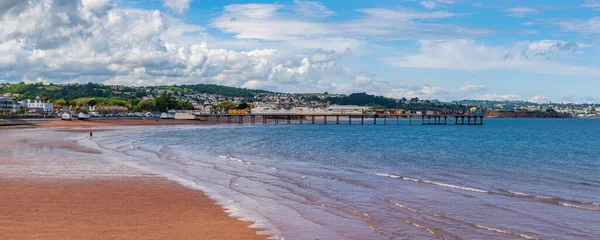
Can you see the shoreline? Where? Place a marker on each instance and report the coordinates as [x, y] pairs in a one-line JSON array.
[[57, 189]]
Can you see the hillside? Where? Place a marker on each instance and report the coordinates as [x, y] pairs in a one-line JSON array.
[[70, 92]]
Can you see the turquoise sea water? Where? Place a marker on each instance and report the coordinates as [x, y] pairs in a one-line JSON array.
[[507, 179]]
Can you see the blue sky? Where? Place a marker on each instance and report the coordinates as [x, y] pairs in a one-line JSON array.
[[436, 49]]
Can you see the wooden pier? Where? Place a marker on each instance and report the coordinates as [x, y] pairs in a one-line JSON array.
[[434, 119]]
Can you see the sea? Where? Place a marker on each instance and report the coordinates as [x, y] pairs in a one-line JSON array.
[[507, 179]]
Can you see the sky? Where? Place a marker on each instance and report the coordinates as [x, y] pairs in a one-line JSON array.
[[534, 50]]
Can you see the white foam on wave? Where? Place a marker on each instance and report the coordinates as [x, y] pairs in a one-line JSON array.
[[580, 207], [519, 193], [505, 232], [384, 174], [403, 206]]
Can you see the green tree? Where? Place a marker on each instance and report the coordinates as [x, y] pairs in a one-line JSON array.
[[145, 105], [60, 103], [227, 105], [165, 102], [185, 105], [243, 106]]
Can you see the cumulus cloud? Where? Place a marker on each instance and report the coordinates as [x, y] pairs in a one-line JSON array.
[[539, 99], [465, 54], [548, 47], [87, 40], [326, 56], [179, 6], [467, 91], [5, 5]]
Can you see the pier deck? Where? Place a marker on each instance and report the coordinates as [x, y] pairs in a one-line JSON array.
[[276, 118]]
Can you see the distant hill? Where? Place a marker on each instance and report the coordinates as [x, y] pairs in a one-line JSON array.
[[215, 89], [365, 99], [70, 92]]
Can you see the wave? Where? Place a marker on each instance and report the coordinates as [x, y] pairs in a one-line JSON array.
[[491, 229], [592, 206], [401, 205], [431, 182], [505, 232]]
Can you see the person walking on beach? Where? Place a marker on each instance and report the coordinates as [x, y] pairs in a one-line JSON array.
[[90, 134]]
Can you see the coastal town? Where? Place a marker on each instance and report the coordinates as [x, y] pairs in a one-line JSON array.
[[154, 101]]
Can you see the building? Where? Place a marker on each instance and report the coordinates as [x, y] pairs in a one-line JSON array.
[[346, 109], [37, 106], [112, 109], [8, 105]]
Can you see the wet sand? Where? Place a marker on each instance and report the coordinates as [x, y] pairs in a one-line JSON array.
[[127, 208], [121, 122], [54, 189]]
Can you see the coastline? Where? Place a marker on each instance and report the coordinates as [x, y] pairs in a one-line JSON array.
[[56, 189]]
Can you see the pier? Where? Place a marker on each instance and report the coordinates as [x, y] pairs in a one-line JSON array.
[[348, 119]]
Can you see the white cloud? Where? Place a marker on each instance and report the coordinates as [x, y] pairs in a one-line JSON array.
[[101, 43], [363, 80], [498, 97], [428, 4], [464, 54], [38, 80], [539, 99], [5, 5], [327, 56], [471, 88], [179, 6], [431, 4], [521, 12], [252, 11], [267, 22], [546, 47], [466, 91], [593, 4], [312, 9], [590, 26]]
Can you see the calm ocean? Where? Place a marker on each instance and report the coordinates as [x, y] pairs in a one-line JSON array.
[[507, 179]]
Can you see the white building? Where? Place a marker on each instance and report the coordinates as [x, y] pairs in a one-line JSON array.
[[346, 109], [38, 106]]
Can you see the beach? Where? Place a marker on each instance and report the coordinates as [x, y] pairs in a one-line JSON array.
[[56, 189], [203, 180]]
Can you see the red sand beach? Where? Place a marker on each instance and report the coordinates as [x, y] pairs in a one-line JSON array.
[[46, 196]]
